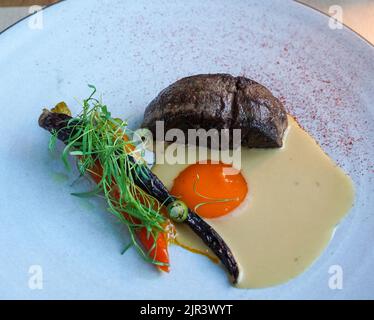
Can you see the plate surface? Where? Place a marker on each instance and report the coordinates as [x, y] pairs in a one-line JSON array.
[[130, 51]]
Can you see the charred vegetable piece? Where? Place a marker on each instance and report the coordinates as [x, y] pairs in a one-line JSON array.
[[206, 233], [220, 101], [63, 127]]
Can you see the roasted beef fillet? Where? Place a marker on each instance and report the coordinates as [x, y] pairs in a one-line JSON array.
[[220, 101]]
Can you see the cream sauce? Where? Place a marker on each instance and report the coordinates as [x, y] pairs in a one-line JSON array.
[[297, 195]]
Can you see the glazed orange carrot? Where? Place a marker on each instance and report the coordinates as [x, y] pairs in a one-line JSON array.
[[160, 251], [157, 251]]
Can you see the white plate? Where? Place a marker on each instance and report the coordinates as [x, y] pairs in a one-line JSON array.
[[130, 51]]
